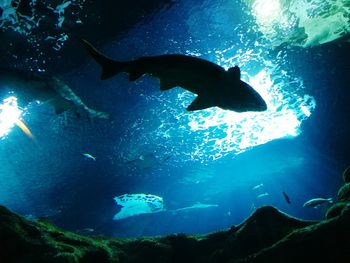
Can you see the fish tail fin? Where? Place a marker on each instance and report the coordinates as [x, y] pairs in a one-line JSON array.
[[97, 114], [109, 66], [330, 200]]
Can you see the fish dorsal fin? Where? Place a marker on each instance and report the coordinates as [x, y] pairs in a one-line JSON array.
[[234, 72], [167, 85], [200, 103]]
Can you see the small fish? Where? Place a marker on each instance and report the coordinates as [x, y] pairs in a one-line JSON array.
[[258, 186], [166, 158], [263, 195], [316, 202], [85, 231], [88, 230], [87, 155], [197, 205], [286, 197], [253, 207], [146, 161]]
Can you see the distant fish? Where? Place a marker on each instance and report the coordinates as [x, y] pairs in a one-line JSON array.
[[197, 205], [166, 158], [316, 202], [29, 86], [137, 204], [46, 215], [263, 195], [144, 161], [147, 161], [85, 231], [214, 85], [286, 197], [258, 186], [253, 207], [88, 155]]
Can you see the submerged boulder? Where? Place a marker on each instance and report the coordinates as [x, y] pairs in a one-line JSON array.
[[268, 235], [346, 175], [343, 203], [344, 193], [336, 210]]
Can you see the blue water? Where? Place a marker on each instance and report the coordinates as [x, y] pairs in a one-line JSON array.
[[49, 177]]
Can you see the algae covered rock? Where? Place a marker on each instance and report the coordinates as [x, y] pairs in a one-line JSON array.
[[346, 175], [336, 210], [268, 235], [344, 193], [23, 240], [327, 241]]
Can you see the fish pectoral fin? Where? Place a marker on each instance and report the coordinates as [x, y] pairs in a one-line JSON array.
[[200, 103], [135, 75], [167, 84]]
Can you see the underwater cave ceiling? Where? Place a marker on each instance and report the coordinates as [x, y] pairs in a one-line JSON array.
[[100, 23]]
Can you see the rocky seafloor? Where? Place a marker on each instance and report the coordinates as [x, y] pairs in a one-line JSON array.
[[268, 235]]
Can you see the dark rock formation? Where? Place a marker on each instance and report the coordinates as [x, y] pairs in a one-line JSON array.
[[335, 210], [344, 193], [346, 175], [268, 235], [343, 203]]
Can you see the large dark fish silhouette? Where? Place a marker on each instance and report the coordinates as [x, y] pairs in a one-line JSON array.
[[30, 86], [214, 85]]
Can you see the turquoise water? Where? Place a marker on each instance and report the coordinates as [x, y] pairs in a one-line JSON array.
[[229, 163]]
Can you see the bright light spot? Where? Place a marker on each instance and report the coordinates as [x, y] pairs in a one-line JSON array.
[[237, 132], [305, 110], [211, 134], [269, 15], [214, 133], [9, 114], [301, 22], [266, 10]]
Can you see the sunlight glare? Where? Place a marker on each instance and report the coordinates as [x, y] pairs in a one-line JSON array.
[[9, 115]]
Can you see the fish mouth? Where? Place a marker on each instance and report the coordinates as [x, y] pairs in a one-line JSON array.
[[255, 102], [257, 106], [258, 103], [262, 106]]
